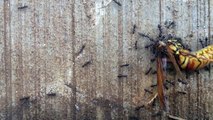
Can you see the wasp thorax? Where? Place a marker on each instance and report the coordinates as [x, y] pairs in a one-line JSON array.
[[175, 42]]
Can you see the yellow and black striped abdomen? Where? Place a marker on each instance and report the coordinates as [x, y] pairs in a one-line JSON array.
[[195, 60]]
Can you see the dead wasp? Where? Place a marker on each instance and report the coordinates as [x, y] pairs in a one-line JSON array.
[[172, 48]]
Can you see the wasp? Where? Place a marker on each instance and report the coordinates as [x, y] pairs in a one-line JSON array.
[[181, 58]]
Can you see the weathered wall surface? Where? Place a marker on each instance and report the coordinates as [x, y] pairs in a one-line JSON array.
[[60, 59]]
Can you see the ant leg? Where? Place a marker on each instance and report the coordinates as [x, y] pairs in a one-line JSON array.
[[148, 71], [147, 46], [170, 24], [183, 82], [201, 42], [146, 36], [160, 30], [204, 43]]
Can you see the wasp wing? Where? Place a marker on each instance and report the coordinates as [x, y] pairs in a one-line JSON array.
[[174, 62], [160, 79]]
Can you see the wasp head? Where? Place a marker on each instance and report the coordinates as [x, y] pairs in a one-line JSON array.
[[175, 45]]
